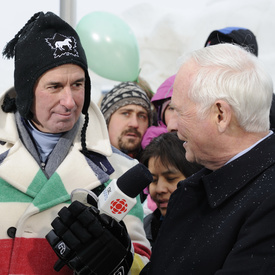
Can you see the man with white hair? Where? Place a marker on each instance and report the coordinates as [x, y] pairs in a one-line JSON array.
[[222, 219]]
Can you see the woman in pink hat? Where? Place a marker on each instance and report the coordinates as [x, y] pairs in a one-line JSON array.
[[161, 101]]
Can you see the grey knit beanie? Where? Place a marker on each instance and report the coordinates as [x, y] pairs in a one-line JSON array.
[[125, 93]]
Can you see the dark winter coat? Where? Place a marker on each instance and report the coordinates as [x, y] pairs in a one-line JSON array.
[[221, 222], [152, 223]]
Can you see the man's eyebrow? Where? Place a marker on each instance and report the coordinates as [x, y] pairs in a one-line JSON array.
[[56, 83], [82, 79], [143, 112], [53, 83], [126, 109]]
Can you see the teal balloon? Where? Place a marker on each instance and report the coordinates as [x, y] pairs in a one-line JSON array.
[[110, 45]]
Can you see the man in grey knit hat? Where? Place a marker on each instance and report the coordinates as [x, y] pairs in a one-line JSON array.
[[127, 111]]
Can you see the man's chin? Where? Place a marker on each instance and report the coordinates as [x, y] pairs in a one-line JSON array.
[[189, 156], [126, 147]]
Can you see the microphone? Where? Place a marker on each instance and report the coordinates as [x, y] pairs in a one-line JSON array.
[[119, 197]]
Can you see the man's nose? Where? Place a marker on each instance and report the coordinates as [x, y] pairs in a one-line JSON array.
[[133, 121], [172, 125], [67, 99]]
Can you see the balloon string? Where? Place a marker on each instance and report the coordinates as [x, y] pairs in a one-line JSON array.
[[137, 80]]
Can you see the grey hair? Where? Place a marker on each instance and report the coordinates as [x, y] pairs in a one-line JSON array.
[[231, 73]]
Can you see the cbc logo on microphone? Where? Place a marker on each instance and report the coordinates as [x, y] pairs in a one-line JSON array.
[[118, 206]]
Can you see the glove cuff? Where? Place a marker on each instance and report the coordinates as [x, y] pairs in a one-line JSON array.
[[125, 265]]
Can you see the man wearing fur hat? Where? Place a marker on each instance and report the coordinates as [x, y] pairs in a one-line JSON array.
[[49, 147], [127, 111]]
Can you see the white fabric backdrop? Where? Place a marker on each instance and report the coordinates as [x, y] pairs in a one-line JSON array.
[[164, 30]]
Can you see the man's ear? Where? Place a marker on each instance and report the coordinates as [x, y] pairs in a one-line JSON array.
[[223, 115]]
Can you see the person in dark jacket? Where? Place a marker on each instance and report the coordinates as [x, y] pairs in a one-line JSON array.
[[221, 220], [164, 157]]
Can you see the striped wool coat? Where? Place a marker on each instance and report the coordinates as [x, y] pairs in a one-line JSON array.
[[29, 200]]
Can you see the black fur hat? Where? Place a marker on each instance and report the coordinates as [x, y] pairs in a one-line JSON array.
[[45, 42]]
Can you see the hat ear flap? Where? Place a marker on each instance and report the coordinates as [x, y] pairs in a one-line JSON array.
[[87, 99], [8, 105]]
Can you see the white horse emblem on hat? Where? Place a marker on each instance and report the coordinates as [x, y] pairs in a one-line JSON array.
[[66, 42], [62, 45]]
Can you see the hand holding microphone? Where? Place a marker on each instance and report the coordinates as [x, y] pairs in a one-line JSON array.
[[94, 240]]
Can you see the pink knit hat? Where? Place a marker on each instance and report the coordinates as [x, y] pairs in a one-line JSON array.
[[164, 92]]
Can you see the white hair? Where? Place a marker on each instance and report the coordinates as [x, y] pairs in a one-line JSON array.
[[231, 73]]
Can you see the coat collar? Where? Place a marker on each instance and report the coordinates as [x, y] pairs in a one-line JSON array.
[[226, 181], [97, 137]]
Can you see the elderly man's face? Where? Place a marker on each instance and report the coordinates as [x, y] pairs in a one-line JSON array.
[[127, 126], [199, 133], [58, 99]]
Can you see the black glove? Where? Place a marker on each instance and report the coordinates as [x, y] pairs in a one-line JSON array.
[[89, 242]]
